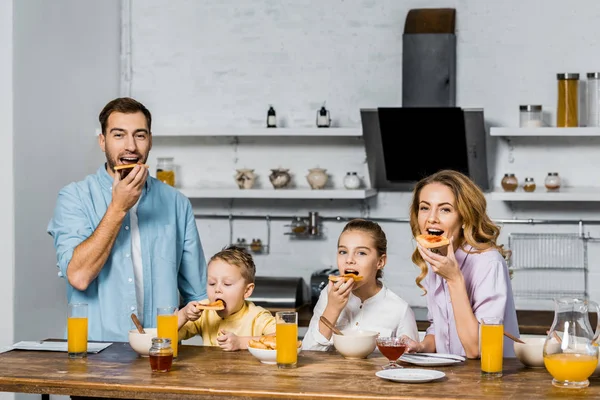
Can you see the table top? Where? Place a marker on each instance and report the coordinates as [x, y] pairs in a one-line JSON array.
[[210, 373]]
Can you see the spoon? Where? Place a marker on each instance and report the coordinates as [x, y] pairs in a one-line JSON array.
[[328, 324], [511, 337], [137, 323]]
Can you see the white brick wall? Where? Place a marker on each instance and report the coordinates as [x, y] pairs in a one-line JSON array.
[[222, 64]]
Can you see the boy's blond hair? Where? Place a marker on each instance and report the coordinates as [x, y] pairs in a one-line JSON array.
[[238, 256]]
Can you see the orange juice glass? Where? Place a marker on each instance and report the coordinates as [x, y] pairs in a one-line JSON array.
[[286, 333], [491, 341], [166, 324], [77, 330]]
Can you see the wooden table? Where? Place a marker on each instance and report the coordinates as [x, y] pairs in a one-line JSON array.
[[210, 373]]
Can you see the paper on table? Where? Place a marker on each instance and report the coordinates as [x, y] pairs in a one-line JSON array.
[[56, 346]]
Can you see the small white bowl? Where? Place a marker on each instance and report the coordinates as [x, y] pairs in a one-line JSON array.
[[355, 343], [141, 343], [265, 356], [531, 354]]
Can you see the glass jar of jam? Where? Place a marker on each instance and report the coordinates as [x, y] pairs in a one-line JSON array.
[[165, 170], [161, 355], [529, 185], [552, 181], [509, 183]]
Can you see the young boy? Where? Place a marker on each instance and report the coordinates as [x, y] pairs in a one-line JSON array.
[[230, 279]]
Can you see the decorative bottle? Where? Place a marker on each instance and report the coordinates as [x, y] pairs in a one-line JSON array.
[[271, 118]]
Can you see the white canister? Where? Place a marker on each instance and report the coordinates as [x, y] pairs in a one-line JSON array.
[[530, 116], [593, 99], [351, 181]]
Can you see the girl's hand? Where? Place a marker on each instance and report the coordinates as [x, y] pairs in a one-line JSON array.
[[228, 341], [445, 266], [339, 293]]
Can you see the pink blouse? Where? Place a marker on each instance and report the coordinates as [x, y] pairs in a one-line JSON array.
[[490, 294]]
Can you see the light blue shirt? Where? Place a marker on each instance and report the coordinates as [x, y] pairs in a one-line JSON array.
[[172, 256]]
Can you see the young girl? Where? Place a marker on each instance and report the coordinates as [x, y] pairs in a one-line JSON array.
[[230, 279], [365, 304]]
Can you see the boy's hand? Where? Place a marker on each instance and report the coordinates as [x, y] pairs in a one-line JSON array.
[[228, 341], [190, 312]]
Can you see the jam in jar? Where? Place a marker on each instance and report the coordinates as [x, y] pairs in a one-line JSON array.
[[161, 355]]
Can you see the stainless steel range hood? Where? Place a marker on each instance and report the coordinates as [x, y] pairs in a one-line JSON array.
[[405, 144]]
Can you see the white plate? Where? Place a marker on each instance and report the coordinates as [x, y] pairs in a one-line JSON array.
[[424, 361], [410, 375]]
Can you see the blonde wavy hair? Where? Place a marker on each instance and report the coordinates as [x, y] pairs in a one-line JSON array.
[[479, 230]]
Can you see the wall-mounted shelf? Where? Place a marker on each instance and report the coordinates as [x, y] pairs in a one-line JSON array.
[[303, 194], [540, 194], [545, 131], [232, 131]]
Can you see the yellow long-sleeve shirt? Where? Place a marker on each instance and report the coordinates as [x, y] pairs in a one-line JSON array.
[[250, 320]]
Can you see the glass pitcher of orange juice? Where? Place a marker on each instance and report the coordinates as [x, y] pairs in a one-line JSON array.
[[570, 352]]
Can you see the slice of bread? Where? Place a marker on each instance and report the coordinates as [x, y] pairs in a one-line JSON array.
[[432, 241]]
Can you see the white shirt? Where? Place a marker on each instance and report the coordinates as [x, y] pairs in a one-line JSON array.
[[384, 313], [136, 259]]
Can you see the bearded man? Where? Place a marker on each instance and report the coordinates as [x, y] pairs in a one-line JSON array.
[[126, 242]]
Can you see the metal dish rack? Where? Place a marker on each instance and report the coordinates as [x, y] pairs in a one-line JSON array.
[[548, 265]]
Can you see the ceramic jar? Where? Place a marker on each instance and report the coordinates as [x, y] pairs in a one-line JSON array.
[[529, 185], [509, 183], [280, 178], [317, 178], [552, 181], [245, 178], [351, 181]]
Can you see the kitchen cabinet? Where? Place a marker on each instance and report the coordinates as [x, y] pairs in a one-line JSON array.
[[555, 140], [347, 137]]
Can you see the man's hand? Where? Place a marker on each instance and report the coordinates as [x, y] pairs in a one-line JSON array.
[[127, 191]]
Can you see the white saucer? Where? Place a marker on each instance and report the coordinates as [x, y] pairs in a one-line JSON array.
[[428, 361], [410, 375]]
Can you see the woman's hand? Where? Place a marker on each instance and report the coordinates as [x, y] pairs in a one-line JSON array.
[[445, 266]]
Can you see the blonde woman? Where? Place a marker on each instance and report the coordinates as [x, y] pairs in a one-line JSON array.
[[468, 279]]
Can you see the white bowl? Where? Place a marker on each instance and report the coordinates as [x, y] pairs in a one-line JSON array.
[[531, 354], [355, 343], [265, 356], [141, 343]]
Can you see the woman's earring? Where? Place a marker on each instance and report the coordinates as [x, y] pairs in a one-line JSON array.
[[463, 227]]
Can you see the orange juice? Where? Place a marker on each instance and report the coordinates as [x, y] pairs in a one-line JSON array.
[[167, 328], [570, 367], [287, 343], [77, 334], [492, 340]]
